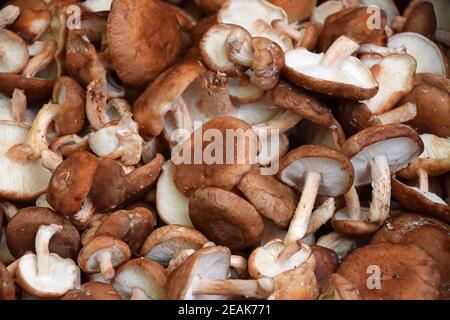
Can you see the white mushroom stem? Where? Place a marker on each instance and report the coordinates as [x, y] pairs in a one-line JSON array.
[[18, 105], [86, 212], [215, 99], [96, 98], [40, 61], [239, 48], [353, 204], [300, 220], [9, 209], [281, 122], [8, 15], [106, 267], [67, 140], [404, 113], [342, 48], [239, 264], [423, 180], [50, 160], [381, 189], [139, 294], [43, 236], [178, 124], [321, 215], [258, 289], [337, 242]]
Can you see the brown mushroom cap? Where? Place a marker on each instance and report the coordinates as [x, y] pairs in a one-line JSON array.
[[335, 169], [108, 189], [272, 198], [130, 226], [225, 174], [88, 258], [164, 243], [7, 287], [296, 10], [144, 39], [68, 93], [32, 24], [421, 19], [34, 89], [22, 228], [141, 273], [71, 182], [343, 224], [326, 264], [225, 218], [425, 232], [386, 140], [407, 272], [93, 291]]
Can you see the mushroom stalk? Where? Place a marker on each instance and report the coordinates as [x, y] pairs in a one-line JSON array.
[[381, 189], [40, 61], [239, 264], [96, 98], [215, 100], [404, 113], [353, 204], [239, 48], [106, 267], [8, 15], [18, 105], [321, 215], [43, 236], [423, 180], [342, 48], [258, 289], [139, 294]]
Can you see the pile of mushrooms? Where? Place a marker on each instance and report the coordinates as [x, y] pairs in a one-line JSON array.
[[224, 149]]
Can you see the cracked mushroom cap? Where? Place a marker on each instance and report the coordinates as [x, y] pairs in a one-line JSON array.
[[207, 263], [420, 201], [71, 182], [70, 95], [427, 54], [399, 143], [7, 287], [143, 274], [425, 232], [22, 228], [335, 169], [226, 170], [407, 272], [164, 243], [273, 199], [23, 180], [93, 291], [161, 96], [90, 255], [108, 189], [14, 51], [336, 72], [431, 95], [131, 226], [144, 39], [225, 218]]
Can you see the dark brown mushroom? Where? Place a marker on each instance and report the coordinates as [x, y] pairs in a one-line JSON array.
[[93, 291]]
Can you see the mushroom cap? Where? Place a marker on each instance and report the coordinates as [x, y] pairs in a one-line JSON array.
[[416, 200], [326, 264], [21, 181], [34, 89], [263, 260], [131, 226], [273, 199], [296, 10], [324, 10], [108, 189], [427, 54], [171, 204], [22, 228], [7, 287], [340, 289], [141, 273], [93, 291], [151, 107], [144, 39], [225, 218], [425, 232], [68, 93], [407, 272], [431, 95], [351, 79], [435, 159], [71, 182], [421, 19], [225, 174], [63, 276], [344, 224], [335, 169], [88, 258], [14, 51], [207, 263], [386, 140], [164, 243]]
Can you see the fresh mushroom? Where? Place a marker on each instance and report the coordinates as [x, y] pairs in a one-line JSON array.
[[92, 291], [7, 288], [14, 51]]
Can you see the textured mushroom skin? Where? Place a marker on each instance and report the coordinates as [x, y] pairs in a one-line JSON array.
[[407, 272], [22, 228], [150, 45], [225, 218], [71, 182], [7, 287], [93, 291]]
